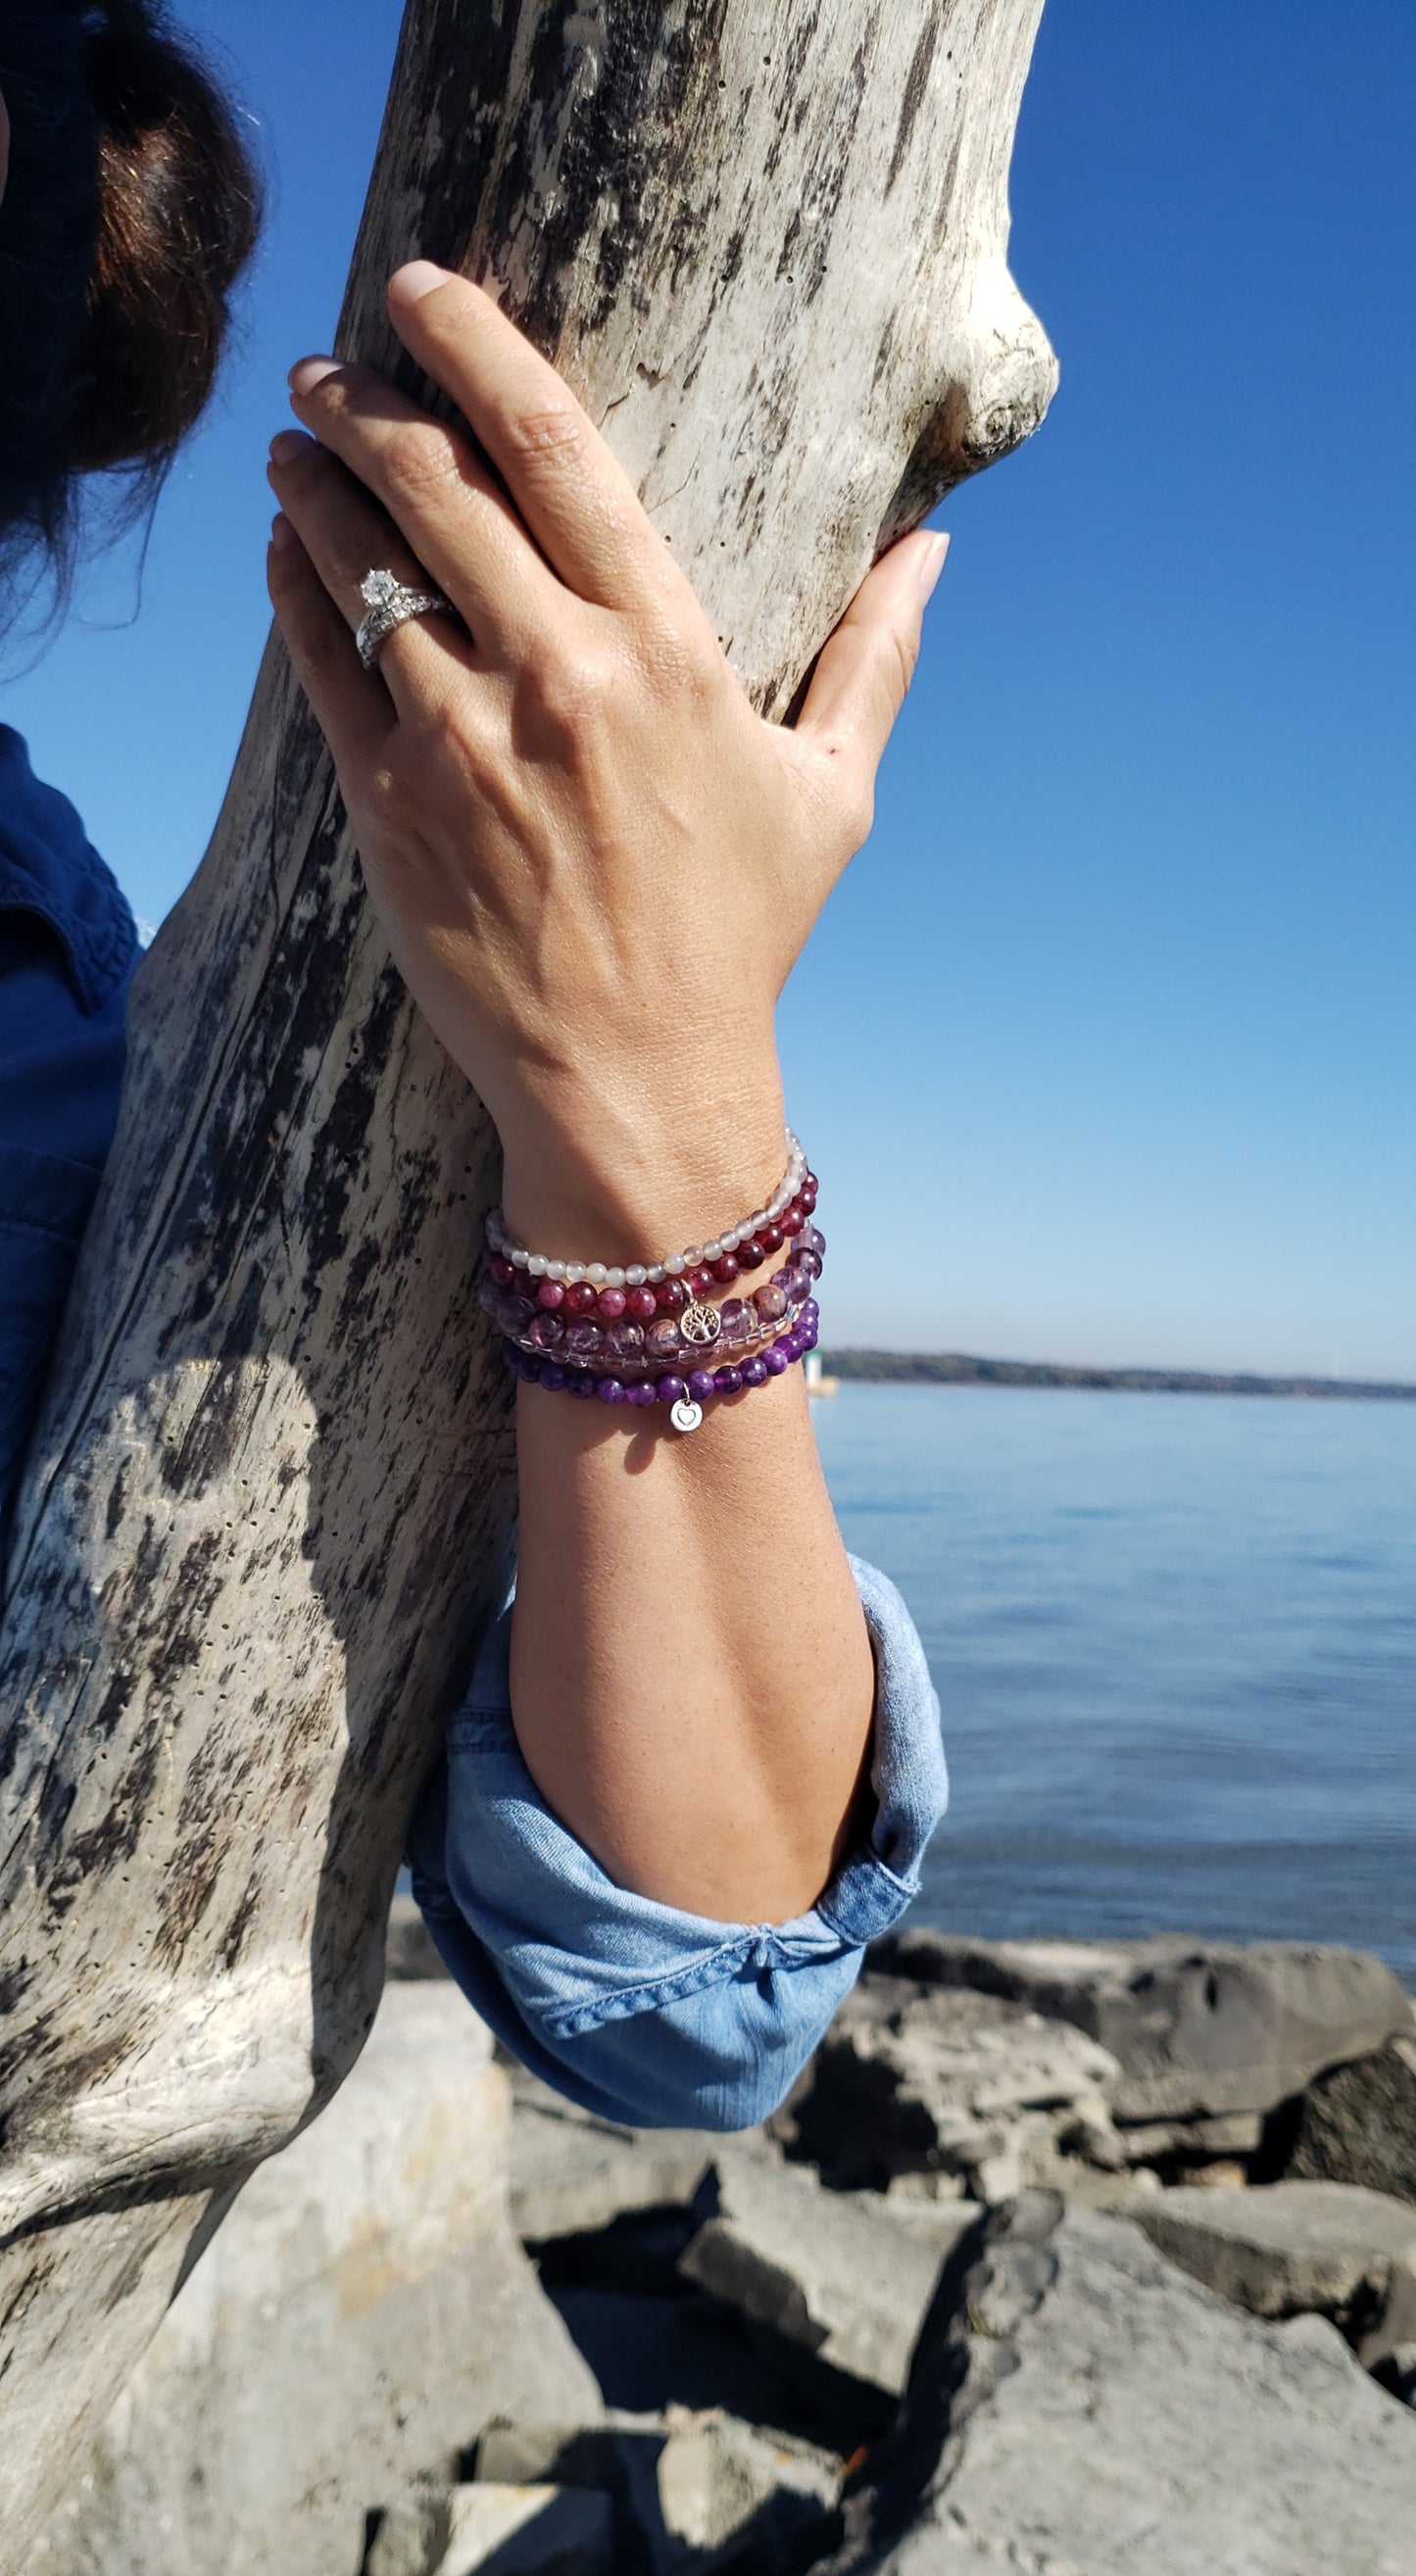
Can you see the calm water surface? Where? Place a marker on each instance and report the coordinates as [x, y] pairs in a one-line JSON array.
[[1175, 1641]]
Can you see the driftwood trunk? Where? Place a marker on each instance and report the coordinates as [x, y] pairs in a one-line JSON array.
[[272, 1496]]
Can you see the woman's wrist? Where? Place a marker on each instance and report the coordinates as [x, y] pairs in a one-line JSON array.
[[639, 1176]]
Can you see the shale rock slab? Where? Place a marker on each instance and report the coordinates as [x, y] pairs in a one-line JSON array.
[[529, 2531], [693, 2490], [1282, 2247], [1079, 2407], [826, 2275], [918, 2079], [1197, 2027], [569, 2175], [364, 2309]]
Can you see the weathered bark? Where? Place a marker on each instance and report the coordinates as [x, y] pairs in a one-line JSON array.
[[273, 1489]]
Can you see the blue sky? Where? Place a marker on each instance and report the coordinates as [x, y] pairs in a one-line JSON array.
[[1105, 1047]]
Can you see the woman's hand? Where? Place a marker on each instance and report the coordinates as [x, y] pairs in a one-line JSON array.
[[594, 862]]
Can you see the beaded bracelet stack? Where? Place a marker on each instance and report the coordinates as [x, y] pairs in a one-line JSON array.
[[638, 1334]]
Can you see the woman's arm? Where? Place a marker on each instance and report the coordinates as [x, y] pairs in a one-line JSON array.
[[596, 865]]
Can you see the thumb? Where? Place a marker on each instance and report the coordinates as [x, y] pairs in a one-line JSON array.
[[866, 666]]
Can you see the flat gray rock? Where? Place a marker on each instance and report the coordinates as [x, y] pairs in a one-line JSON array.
[[569, 2174], [694, 2489], [362, 2312], [1282, 2247], [1087, 2410], [924, 2079], [1197, 2027], [829, 2276], [529, 2531]]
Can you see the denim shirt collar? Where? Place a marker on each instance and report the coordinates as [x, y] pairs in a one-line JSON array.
[[48, 867]]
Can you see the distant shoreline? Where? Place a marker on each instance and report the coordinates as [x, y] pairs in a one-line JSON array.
[[957, 1368]]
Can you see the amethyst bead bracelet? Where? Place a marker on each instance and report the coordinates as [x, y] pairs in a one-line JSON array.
[[685, 1397], [633, 1349]]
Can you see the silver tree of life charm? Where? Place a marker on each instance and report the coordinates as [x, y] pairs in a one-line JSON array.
[[701, 1324], [686, 1415]]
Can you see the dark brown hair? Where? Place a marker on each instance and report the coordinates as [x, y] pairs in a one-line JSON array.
[[131, 208]]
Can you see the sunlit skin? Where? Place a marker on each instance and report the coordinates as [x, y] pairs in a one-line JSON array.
[[595, 865]]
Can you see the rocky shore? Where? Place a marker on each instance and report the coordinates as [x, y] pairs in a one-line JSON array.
[[1062, 2260]]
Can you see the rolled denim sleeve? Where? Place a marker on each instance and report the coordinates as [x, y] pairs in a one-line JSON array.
[[638, 2012]]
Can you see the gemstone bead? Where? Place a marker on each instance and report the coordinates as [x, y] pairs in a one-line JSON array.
[[643, 1393], [725, 1269], [580, 1298], [775, 1362], [661, 1339], [641, 1301], [626, 1340], [584, 1341], [670, 1389], [635, 1275], [754, 1372], [701, 1384], [504, 1272], [514, 1313], [596, 1273], [771, 1238], [751, 1254], [544, 1332], [671, 1296], [609, 1390], [728, 1381], [610, 1304], [771, 1301], [550, 1294], [701, 1282], [579, 1382], [553, 1376]]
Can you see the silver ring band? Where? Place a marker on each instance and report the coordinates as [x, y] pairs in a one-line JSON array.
[[390, 603]]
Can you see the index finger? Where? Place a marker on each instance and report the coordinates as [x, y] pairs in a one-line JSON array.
[[574, 496]]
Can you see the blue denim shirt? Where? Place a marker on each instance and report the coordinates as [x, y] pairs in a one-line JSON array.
[[67, 952], [635, 2010]]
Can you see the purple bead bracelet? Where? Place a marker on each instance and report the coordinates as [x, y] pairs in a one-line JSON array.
[[685, 1395]]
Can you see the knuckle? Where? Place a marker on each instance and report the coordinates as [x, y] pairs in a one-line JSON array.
[[548, 433], [574, 686], [422, 457]]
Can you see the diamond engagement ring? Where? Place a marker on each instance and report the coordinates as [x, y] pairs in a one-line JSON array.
[[390, 603]]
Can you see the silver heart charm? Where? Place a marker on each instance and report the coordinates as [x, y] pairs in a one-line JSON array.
[[686, 1415]]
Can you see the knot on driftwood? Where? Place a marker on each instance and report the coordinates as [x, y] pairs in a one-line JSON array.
[[997, 378]]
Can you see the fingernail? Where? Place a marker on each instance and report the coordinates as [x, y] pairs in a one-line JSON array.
[[287, 444], [311, 372], [281, 533], [930, 567], [409, 285]]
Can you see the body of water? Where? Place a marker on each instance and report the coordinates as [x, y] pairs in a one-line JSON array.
[[1175, 1642]]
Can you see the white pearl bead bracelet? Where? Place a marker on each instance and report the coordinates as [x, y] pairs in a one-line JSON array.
[[648, 1274]]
